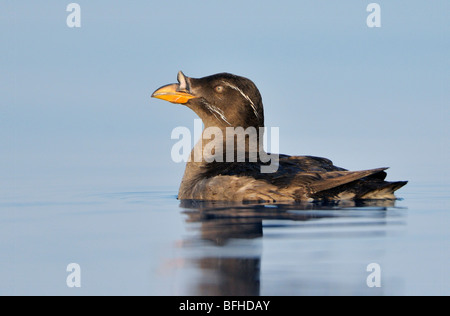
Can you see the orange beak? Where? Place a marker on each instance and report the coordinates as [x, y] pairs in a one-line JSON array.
[[170, 93]]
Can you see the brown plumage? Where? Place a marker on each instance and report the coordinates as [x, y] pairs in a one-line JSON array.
[[225, 100]]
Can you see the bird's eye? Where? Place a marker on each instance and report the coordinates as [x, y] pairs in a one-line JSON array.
[[219, 89]]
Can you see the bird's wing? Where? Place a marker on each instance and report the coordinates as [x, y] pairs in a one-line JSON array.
[[337, 178], [307, 185]]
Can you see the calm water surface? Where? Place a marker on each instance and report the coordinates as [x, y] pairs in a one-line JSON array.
[[144, 242]]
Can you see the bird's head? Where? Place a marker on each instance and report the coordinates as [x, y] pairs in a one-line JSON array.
[[222, 100]]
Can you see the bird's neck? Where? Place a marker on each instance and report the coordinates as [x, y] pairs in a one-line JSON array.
[[228, 144], [222, 145]]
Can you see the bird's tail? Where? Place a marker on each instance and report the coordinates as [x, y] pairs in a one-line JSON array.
[[357, 185], [385, 191]]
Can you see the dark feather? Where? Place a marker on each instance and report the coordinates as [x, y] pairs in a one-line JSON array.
[[302, 177]]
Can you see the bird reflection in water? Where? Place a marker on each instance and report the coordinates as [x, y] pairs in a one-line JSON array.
[[231, 264]]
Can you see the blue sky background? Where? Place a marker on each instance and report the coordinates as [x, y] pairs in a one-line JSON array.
[[75, 107]]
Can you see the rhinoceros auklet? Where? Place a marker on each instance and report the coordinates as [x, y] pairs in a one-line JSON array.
[[226, 101]]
